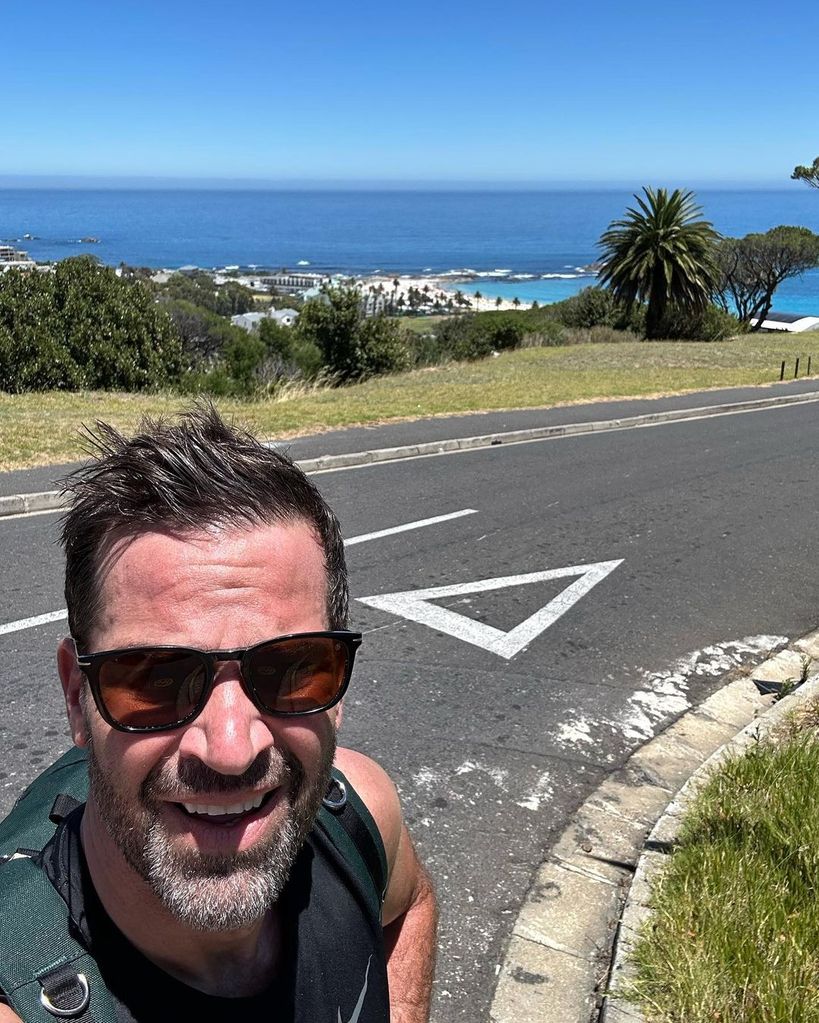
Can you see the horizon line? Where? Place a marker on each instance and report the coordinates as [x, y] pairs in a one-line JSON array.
[[156, 182]]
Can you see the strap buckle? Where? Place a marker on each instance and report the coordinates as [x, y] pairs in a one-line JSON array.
[[336, 802], [63, 992]]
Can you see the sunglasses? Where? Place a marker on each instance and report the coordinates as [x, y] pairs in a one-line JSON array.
[[156, 688]]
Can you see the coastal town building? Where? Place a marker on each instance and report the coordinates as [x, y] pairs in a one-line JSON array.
[[292, 282], [9, 257]]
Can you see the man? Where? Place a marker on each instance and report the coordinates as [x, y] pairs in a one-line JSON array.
[[207, 601]]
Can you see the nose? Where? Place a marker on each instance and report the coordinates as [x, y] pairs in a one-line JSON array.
[[230, 732]]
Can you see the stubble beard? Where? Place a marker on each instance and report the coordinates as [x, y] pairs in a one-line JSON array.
[[211, 892]]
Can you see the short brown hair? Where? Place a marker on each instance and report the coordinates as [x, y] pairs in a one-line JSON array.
[[185, 475]]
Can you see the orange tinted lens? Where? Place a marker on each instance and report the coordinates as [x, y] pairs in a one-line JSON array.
[[147, 688], [299, 675]]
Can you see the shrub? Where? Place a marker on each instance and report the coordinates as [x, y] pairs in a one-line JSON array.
[[712, 324], [203, 333], [504, 330], [591, 307], [461, 337], [474, 336], [289, 355], [547, 333], [244, 355]]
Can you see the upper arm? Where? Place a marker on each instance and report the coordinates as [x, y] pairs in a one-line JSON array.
[[404, 872]]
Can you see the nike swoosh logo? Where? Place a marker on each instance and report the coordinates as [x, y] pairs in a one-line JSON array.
[[359, 1005]]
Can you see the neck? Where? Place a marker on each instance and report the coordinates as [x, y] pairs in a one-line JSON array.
[[231, 964]]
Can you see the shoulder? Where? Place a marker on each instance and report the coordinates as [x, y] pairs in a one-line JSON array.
[[377, 791], [8, 1015]]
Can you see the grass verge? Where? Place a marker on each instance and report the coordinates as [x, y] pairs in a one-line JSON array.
[[40, 429], [734, 932]]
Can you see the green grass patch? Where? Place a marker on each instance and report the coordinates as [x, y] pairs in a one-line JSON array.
[[734, 932], [43, 428], [421, 324]]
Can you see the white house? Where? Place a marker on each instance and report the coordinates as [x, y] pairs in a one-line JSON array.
[[250, 321], [284, 317]]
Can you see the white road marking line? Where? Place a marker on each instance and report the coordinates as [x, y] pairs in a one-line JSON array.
[[419, 524], [30, 623], [415, 605]]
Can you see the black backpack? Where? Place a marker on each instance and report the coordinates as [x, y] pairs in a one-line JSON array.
[[45, 973]]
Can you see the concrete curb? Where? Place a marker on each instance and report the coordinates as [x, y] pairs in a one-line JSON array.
[[558, 961], [661, 839], [52, 500], [20, 504]]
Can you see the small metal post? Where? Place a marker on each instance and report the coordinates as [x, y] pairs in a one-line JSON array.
[[796, 370], [782, 371], [809, 358]]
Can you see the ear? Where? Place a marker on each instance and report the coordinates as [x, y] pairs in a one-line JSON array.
[[73, 681], [339, 709]]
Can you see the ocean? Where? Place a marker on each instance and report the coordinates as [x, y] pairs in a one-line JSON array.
[[531, 244]]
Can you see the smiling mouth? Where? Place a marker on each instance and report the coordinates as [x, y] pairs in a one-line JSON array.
[[225, 813]]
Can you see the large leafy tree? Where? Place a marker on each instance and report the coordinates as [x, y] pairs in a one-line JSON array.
[[753, 267], [352, 345], [662, 254], [80, 325], [809, 174]]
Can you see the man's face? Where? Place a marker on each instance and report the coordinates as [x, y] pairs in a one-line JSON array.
[[210, 814]]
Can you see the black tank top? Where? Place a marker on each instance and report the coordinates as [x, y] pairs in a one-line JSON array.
[[333, 964]]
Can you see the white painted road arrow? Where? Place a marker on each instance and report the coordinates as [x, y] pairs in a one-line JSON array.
[[416, 606]]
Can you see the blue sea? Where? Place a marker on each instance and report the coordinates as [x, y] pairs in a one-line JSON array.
[[530, 244]]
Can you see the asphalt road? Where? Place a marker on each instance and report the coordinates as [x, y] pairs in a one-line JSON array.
[[705, 534]]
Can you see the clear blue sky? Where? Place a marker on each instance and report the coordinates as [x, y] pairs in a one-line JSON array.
[[444, 91]]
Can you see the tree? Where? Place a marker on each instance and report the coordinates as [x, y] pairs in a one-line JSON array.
[[203, 333], [81, 325], [809, 174], [661, 254], [352, 346], [498, 302], [753, 267]]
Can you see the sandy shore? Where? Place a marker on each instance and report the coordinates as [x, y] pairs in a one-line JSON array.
[[433, 289]]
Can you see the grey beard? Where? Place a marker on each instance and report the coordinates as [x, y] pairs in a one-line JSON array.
[[211, 893]]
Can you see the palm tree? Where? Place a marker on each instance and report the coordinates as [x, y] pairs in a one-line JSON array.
[[661, 254], [498, 302]]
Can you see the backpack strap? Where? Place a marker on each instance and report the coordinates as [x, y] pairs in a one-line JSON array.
[[31, 822], [45, 973], [349, 825]]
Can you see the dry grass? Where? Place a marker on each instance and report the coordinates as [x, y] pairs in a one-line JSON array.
[[40, 429]]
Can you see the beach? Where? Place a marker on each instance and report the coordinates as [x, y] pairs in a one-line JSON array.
[[441, 291]]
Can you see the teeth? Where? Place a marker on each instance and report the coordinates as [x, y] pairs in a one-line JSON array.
[[212, 810]]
